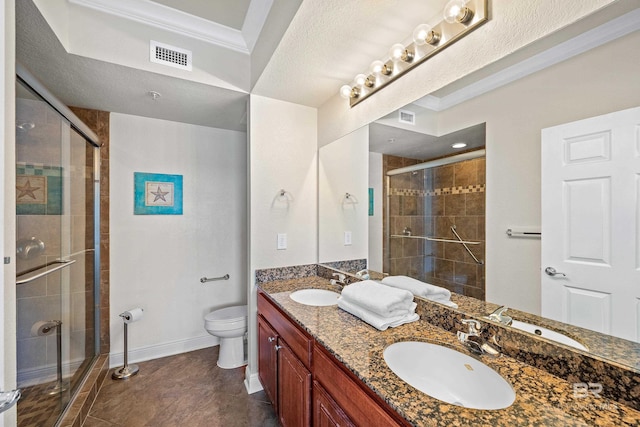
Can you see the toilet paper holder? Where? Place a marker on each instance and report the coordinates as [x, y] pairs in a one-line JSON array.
[[127, 370]]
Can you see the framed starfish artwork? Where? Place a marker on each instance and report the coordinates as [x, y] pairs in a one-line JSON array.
[[157, 194], [38, 189]]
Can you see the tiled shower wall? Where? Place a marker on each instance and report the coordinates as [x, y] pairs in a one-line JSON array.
[[98, 121], [430, 202]]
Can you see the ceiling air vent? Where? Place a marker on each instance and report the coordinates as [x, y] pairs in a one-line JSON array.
[[172, 56], [407, 117]]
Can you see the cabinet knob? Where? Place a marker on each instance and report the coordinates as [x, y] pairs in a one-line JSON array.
[[271, 339], [278, 347]]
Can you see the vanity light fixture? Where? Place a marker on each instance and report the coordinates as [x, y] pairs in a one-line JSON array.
[[460, 17], [458, 145]]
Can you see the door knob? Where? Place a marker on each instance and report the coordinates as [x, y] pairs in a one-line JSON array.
[[8, 399], [552, 272]]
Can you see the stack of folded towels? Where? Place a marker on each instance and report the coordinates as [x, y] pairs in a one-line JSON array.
[[379, 305], [421, 289]]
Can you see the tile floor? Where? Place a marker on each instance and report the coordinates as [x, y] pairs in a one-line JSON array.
[[186, 390]]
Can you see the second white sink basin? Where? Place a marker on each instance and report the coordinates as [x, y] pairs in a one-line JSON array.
[[316, 297], [449, 375], [547, 333]]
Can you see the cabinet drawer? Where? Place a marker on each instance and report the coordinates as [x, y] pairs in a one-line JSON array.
[[297, 340], [357, 404]]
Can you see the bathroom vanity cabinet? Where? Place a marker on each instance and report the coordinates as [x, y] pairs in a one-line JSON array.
[[284, 362], [285, 369]]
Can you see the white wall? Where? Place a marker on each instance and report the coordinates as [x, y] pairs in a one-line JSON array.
[[376, 226], [282, 155], [157, 260], [7, 205], [602, 80], [343, 168]]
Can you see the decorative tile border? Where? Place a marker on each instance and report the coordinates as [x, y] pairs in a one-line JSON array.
[[478, 188]]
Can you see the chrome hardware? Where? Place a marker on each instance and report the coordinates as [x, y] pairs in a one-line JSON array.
[[29, 276], [213, 279], [271, 339], [499, 316], [552, 272], [473, 341], [453, 230], [406, 231], [29, 248], [8, 399], [277, 347], [363, 274]]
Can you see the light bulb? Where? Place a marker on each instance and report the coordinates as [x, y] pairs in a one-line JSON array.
[[396, 52], [360, 80], [421, 33], [376, 67], [457, 11], [345, 91]]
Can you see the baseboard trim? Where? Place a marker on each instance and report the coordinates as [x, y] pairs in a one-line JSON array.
[[251, 381], [157, 351]]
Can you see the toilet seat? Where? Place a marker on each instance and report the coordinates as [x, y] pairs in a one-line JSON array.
[[228, 314]]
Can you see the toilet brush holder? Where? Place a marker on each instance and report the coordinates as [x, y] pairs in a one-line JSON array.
[[127, 370]]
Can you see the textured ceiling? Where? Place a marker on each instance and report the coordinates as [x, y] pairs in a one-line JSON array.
[[226, 12], [88, 83], [330, 41], [414, 145]]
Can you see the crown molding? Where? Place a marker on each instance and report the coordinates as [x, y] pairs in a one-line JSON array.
[[169, 19], [586, 41]]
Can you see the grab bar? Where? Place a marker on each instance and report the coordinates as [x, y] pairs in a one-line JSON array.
[[435, 239], [213, 279], [30, 277], [453, 228]]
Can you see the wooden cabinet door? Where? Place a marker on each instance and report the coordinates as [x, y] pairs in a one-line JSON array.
[[326, 412], [294, 389], [268, 360]]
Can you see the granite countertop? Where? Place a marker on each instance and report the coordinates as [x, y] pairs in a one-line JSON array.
[[541, 398]]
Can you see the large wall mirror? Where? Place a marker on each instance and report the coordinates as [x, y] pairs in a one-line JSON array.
[[484, 195]]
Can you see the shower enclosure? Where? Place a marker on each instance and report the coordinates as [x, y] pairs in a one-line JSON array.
[[57, 170], [434, 221]]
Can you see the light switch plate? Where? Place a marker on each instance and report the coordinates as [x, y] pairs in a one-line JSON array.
[[282, 241], [347, 238]]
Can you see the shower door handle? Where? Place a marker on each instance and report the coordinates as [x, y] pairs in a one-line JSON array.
[[30, 277], [8, 399]]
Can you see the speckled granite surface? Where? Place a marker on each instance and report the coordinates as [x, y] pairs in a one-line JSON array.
[[541, 398]]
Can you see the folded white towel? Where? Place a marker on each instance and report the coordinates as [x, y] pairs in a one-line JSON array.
[[421, 289], [380, 299], [378, 322], [416, 287]]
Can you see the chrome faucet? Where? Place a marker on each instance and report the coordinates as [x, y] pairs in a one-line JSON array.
[[363, 274], [474, 341], [341, 279], [500, 316]]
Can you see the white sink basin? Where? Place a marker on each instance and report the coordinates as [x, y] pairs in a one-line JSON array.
[[449, 375], [317, 297], [548, 334]]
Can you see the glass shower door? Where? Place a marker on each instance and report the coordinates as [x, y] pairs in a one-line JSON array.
[[55, 259]]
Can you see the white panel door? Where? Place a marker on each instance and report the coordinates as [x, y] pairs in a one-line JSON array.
[[591, 223]]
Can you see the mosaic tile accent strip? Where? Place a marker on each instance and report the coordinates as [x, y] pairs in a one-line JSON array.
[[479, 188], [285, 273]]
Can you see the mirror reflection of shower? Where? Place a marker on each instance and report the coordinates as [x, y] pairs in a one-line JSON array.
[[56, 281]]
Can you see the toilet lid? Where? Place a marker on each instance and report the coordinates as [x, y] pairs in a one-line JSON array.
[[229, 314]]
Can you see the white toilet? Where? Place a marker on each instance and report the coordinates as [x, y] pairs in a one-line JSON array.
[[229, 324]]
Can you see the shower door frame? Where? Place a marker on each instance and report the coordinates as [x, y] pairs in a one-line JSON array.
[[30, 82]]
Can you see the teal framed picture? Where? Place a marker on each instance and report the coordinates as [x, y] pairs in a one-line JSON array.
[[157, 194], [371, 202]]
